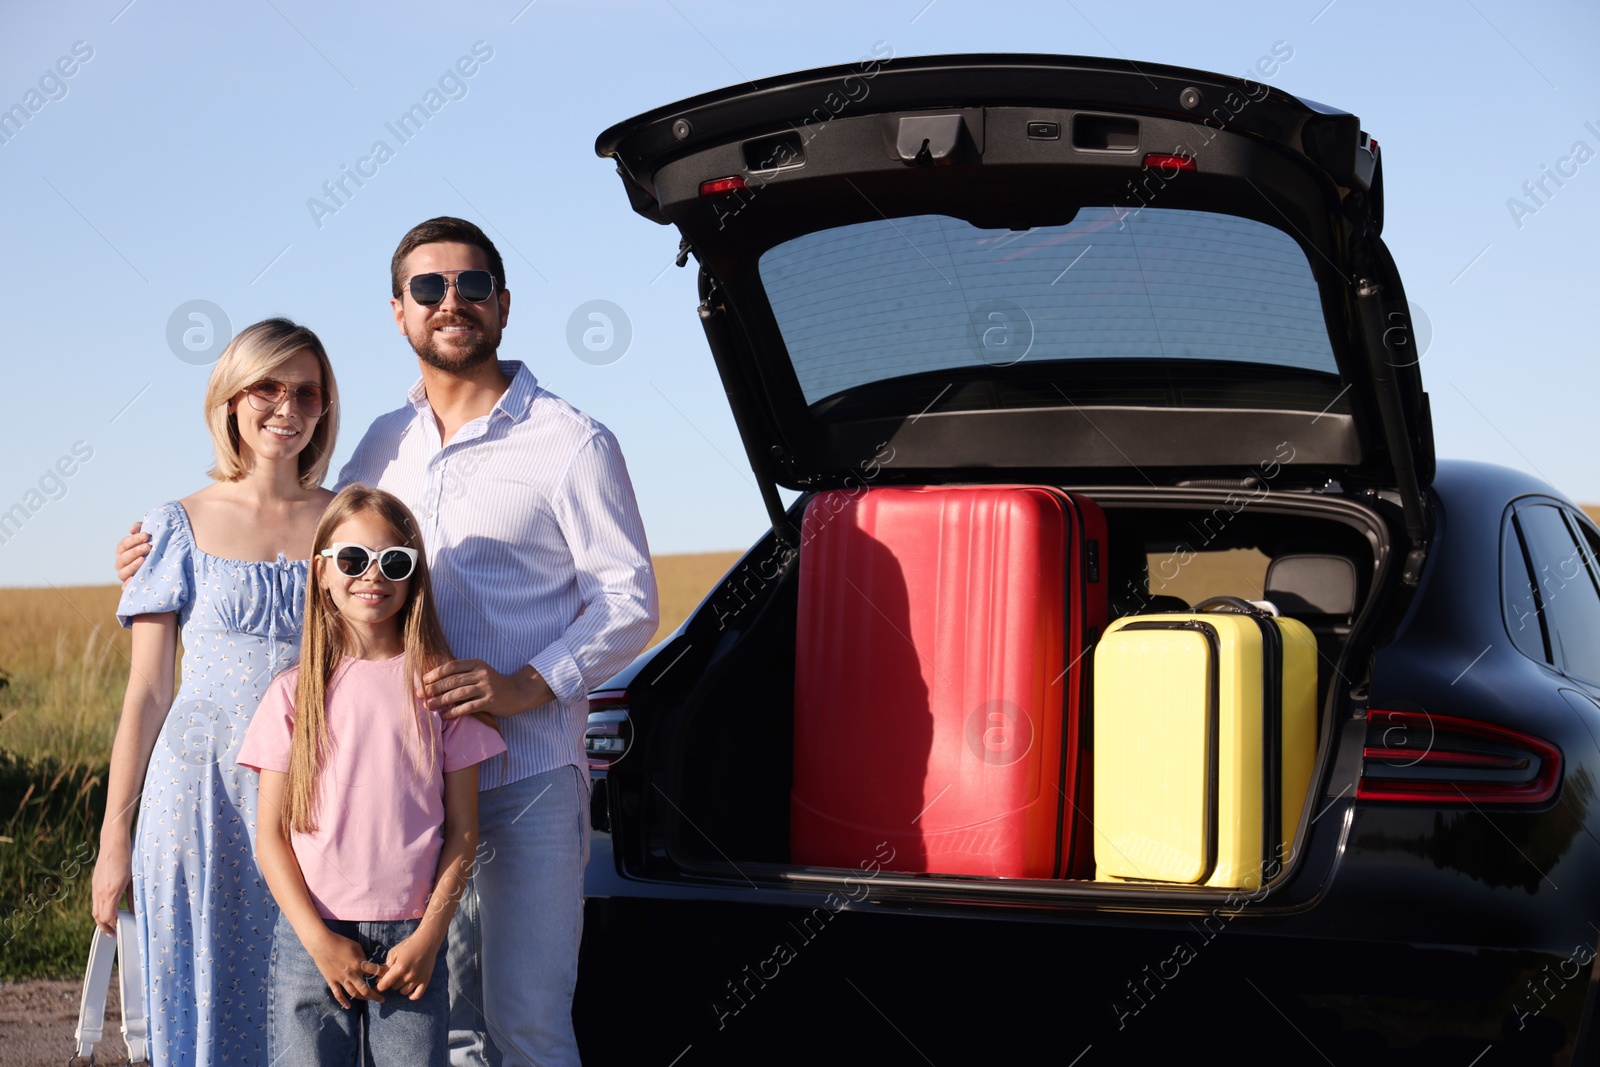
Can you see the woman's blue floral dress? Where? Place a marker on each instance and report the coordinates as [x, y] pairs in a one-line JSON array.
[[204, 912]]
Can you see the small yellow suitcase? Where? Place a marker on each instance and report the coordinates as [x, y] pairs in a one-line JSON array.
[[1204, 739]]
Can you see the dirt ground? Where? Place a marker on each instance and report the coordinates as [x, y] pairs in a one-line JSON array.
[[37, 1020]]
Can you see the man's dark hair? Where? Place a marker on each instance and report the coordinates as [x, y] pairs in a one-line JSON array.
[[446, 228]]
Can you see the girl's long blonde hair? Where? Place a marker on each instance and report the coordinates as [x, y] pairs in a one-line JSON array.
[[324, 644]]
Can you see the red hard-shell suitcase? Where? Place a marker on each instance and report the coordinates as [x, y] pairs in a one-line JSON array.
[[939, 679]]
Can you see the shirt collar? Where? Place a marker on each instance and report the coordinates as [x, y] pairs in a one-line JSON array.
[[513, 403]]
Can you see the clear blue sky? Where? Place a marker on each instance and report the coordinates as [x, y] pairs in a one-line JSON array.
[[176, 162]]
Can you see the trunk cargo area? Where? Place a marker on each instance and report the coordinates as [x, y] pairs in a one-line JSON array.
[[876, 751]]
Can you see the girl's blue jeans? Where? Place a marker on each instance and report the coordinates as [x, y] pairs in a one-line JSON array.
[[306, 1027]]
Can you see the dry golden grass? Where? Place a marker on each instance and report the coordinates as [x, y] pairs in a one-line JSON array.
[[66, 662], [32, 619], [683, 582], [1240, 572], [66, 659]]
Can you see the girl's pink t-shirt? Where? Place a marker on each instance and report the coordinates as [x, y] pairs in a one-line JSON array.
[[375, 852]]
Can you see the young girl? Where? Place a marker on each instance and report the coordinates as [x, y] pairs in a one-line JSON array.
[[368, 811]]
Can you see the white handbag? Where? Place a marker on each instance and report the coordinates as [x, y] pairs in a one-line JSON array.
[[97, 981]]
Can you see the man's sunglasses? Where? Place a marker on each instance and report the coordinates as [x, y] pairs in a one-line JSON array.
[[473, 286], [353, 560], [269, 394]]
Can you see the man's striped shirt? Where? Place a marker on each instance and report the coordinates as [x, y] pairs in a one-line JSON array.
[[535, 548]]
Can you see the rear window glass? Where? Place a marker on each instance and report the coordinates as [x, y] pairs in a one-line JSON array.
[[894, 297]]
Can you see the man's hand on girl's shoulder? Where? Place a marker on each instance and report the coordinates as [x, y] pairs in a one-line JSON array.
[[131, 551], [470, 687]]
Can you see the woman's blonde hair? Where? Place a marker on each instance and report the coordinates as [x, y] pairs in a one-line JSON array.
[[253, 354], [324, 644]]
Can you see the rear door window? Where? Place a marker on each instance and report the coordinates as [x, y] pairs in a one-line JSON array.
[[1517, 598], [1568, 597]]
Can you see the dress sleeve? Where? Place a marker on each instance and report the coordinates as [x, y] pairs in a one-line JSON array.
[[165, 581], [468, 741], [267, 741]]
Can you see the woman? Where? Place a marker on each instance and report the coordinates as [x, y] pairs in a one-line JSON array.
[[226, 572]]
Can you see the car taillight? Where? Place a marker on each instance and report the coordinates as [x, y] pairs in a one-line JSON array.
[[1440, 759], [721, 185], [607, 736]]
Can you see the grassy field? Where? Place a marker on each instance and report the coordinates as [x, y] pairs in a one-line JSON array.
[[66, 662], [63, 666]]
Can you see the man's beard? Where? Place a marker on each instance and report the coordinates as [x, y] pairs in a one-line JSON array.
[[482, 350]]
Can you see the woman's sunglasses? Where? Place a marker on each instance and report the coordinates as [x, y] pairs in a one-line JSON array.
[[353, 560], [269, 394], [473, 286]]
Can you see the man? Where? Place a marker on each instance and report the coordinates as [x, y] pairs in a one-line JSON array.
[[544, 586]]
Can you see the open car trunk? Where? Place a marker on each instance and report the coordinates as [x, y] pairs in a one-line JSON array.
[[714, 781], [1162, 288]]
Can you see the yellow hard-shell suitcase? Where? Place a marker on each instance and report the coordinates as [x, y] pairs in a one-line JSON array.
[[1204, 739]]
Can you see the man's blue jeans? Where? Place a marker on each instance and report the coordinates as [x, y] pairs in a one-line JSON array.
[[513, 946], [306, 1027]]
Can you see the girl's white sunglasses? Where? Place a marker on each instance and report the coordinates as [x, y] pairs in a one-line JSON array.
[[353, 560]]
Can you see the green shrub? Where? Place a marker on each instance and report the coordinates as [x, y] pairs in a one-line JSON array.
[[49, 830]]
